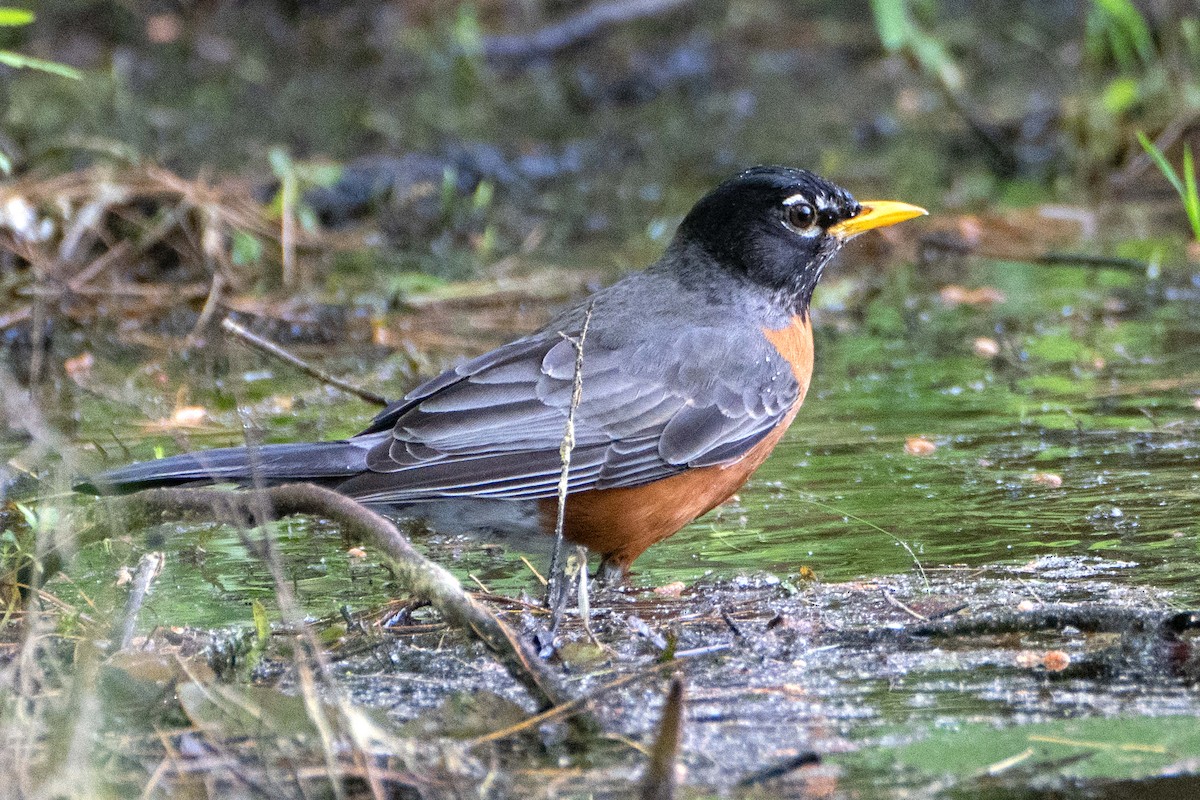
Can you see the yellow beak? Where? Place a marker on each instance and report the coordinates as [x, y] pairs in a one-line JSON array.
[[875, 214]]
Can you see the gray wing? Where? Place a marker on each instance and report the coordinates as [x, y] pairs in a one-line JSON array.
[[493, 426]]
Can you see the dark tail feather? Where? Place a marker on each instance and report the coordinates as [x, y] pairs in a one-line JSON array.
[[270, 464]]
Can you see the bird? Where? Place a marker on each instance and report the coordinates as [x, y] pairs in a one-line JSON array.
[[691, 371]]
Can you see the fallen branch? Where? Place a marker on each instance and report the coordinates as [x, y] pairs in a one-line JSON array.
[[416, 573]]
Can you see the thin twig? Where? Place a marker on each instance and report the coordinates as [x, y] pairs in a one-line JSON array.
[[1088, 260], [272, 349], [118, 252], [568, 709], [557, 594], [211, 303], [534, 570], [895, 602]]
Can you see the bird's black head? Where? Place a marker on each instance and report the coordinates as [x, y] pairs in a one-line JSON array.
[[772, 226]]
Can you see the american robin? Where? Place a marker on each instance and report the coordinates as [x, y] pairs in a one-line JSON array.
[[692, 371]]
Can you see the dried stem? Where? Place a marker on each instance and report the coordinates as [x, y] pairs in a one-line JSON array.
[[557, 590], [274, 350], [148, 569]]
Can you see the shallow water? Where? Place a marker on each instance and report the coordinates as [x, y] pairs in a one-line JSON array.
[[1096, 382]]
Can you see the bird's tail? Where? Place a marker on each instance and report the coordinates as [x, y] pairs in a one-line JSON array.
[[322, 462]]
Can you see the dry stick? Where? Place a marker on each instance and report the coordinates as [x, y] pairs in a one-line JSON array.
[[287, 227], [148, 569], [574, 30], [424, 578], [1050, 258], [566, 710], [118, 252], [895, 602], [211, 303], [1053, 258], [659, 781], [556, 594], [272, 349]]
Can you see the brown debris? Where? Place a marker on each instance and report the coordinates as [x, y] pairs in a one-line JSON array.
[[919, 446], [955, 295]]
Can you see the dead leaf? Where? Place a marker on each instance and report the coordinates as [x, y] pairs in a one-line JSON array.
[[1056, 660], [955, 295], [1047, 479], [918, 446], [79, 368], [985, 347]]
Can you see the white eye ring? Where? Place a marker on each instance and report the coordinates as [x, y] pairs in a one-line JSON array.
[[800, 216]]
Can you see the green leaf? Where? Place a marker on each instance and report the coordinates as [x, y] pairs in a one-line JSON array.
[[247, 249], [14, 17], [262, 625], [18, 61], [467, 33], [483, 196]]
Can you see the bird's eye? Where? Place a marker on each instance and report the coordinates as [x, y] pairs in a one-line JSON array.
[[801, 215]]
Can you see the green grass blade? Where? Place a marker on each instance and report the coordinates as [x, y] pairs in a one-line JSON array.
[[18, 61], [893, 23], [1191, 197], [14, 17], [1161, 162], [1129, 24]]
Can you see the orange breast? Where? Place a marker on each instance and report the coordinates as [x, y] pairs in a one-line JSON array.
[[622, 523]]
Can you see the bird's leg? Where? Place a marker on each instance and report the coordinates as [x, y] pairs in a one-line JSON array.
[[610, 573], [584, 601]]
